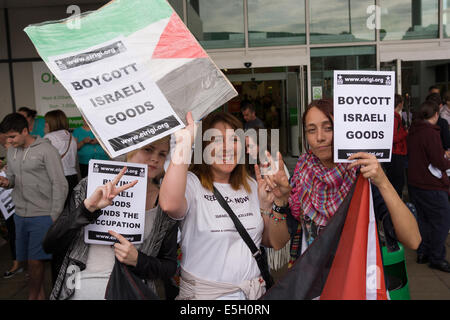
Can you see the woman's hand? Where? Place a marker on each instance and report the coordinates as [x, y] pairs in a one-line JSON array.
[[277, 180], [104, 195], [124, 250], [370, 167], [265, 195], [184, 140]]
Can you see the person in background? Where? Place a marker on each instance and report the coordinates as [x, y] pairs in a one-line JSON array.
[[441, 122], [88, 148], [251, 120], [395, 170], [35, 173], [445, 110], [428, 185], [57, 131], [16, 267], [155, 258], [434, 89], [35, 125]]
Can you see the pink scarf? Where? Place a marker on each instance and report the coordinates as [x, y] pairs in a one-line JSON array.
[[318, 191]]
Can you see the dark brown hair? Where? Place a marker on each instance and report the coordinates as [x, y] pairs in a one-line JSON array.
[[434, 97], [29, 112], [324, 105], [426, 110], [397, 100], [239, 176]]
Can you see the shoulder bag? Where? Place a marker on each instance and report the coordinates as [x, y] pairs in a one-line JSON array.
[[259, 254], [123, 284]]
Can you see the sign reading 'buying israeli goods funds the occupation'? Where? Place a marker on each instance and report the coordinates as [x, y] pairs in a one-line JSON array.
[[112, 87], [363, 113], [126, 215]]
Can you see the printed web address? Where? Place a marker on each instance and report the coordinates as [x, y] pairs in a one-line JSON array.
[[149, 131], [370, 80]]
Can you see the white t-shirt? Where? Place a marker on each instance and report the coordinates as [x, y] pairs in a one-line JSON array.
[[60, 140], [212, 248]]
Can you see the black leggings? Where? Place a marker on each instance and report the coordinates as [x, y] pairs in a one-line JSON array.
[[10, 225]]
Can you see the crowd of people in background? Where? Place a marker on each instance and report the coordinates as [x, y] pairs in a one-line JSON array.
[[421, 161], [47, 164], [42, 167]]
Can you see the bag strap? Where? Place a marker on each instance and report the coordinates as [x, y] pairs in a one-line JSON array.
[[68, 146], [240, 228]]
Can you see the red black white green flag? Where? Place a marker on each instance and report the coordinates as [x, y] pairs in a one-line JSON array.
[[344, 262]]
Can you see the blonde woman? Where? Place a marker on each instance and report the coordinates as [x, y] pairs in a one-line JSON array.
[[154, 258]]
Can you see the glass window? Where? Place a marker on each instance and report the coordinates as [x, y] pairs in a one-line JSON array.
[[446, 18], [276, 23], [340, 21], [177, 5], [409, 19], [217, 23], [325, 60]]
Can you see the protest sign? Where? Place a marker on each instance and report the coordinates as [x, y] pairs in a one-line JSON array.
[[363, 113], [126, 215], [133, 69], [7, 206]]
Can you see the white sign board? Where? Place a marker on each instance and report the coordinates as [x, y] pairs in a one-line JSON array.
[[7, 206], [112, 87], [127, 213], [363, 113]]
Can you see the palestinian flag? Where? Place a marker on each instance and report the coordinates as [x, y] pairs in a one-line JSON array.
[[106, 58], [344, 262]]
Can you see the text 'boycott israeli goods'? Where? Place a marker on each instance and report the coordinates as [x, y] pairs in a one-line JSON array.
[[126, 214], [133, 69], [363, 113]]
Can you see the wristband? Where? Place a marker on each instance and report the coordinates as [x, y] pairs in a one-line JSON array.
[[282, 210], [278, 219], [267, 213]]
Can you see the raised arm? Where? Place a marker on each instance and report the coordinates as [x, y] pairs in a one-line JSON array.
[[404, 223], [274, 188], [172, 198]]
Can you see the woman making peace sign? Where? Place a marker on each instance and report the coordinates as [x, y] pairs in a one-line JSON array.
[[154, 258]]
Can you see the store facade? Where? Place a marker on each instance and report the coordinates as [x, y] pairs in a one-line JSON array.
[[279, 54]]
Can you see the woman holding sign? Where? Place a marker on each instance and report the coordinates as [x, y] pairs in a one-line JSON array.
[[305, 204], [86, 268]]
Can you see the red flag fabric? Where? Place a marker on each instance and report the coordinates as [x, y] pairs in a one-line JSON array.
[[177, 42], [344, 261], [351, 277]]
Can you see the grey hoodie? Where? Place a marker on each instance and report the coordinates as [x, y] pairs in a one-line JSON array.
[[37, 176]]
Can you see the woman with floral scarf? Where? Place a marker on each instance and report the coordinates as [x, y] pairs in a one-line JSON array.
[[304, 205]]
